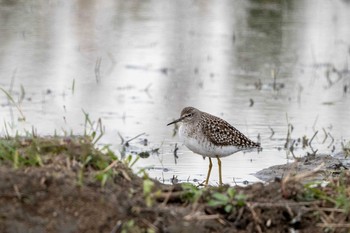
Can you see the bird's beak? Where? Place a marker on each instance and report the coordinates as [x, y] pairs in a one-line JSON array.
[[180, 119]]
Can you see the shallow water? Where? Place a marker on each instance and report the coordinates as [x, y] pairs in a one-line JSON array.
[[260, 65]]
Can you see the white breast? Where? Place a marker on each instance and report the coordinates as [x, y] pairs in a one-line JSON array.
[[199, 144]]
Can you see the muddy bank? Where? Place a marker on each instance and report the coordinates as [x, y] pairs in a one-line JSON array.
[[326, 165], [66, 185]]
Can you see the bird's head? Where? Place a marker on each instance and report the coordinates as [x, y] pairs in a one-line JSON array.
[[188, 114]]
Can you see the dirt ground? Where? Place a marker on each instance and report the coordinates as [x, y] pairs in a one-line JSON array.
[[60, 193]]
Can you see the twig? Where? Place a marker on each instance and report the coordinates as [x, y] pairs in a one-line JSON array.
[[198, 217], [127, 142], [291, 149], [255, 217], [239, 215], [289, 210], [304, 175], [274, 74], [290, 178], [18, 194], [169, 195], [251, 102], [121, 138], [325, 209], [111, 165], [117, 227], [330, 144], [272, 132], [175, 153], [334, 225], [280, 204], [125, 175], [325, 136], [150, 225], [313, 151], [289, 132]]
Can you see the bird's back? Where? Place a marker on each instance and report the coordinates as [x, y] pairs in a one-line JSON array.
[[220, 133]]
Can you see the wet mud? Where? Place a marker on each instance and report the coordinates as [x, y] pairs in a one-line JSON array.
[[64, 193], [325, 165]]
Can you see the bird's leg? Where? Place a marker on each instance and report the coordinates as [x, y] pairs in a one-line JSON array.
[[209, 170], [219, 164]]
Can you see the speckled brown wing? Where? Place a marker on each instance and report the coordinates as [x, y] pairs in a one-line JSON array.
[[221, 133]]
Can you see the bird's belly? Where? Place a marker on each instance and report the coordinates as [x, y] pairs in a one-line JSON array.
[[202, 146]]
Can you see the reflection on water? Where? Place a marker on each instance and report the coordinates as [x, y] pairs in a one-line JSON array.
[[260, 65]]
